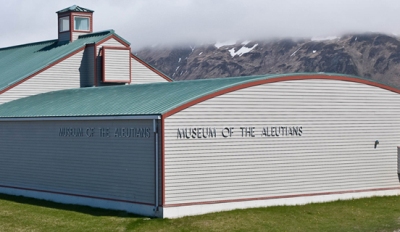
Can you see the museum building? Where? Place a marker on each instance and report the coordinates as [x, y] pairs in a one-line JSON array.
[[191, 147]]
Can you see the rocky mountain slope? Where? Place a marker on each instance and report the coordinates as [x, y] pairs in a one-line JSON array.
[[373, 56]]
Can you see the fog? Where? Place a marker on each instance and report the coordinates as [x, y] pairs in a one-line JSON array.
[[170, 22]]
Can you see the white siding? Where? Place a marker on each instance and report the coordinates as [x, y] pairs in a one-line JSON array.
[[64, 75], [340, 121], [142, 75], [75, 35], [116, 65], [111, 42]]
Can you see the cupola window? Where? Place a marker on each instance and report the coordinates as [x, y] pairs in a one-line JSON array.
[[81, 23], [64, 24]]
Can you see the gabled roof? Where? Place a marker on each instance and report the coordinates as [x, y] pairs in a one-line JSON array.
[[20, 62], [75, 8], [146, 99]]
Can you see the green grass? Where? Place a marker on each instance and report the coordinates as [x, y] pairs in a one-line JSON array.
[[368, 214]]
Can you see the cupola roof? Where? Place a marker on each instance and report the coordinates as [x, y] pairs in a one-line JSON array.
[[75, 8]]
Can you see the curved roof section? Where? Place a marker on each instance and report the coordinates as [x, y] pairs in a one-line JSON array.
[[20, 62], [146, 99]]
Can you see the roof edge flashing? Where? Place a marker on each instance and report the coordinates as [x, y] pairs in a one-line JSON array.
[[80, 118]]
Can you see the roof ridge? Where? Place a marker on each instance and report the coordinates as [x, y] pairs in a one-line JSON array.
[[105, 32], [110, 31], [29, 44]]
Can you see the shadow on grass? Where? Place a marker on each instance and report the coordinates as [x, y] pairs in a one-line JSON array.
[[69, 207]]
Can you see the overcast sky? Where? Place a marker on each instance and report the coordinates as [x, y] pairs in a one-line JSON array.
[[151, 22]]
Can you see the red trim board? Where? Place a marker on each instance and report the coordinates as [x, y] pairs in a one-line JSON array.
[[123, 43], [280, 197]]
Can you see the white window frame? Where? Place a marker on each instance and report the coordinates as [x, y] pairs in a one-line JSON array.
[[60, 24], [78, 16]]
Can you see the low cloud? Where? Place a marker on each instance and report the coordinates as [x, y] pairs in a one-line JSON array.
[[152, 22]]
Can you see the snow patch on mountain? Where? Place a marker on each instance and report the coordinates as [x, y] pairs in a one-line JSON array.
[[242, 50]]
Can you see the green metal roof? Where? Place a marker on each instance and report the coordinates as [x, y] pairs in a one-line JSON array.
[[143, 99], [19, 62], [75, 8]]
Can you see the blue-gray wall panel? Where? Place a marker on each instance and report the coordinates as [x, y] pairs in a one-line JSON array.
[[35, 156]]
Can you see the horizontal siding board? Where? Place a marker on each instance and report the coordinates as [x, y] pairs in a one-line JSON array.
[[112, 167], [340, 123], [112, 42], [142, 75], [117, 64], [279, 183], [109, 42], [63, 75], [75, 35], [282, 191]]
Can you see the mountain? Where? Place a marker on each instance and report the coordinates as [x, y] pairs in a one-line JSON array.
[[373, 56]]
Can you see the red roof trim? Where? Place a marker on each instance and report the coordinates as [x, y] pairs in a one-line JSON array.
[[277, 79], [43, 69], [151, 68], [280, 197], [123, 43]]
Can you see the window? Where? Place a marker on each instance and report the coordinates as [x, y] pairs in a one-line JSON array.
[[81, 23], [63, 24]]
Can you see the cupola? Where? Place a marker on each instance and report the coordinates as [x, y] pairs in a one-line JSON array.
[[74, 21]]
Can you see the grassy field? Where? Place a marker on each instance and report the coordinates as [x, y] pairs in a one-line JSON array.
[[369, 214]]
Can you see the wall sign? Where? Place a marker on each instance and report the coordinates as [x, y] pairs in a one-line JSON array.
[[106, 132], [229, 132]]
